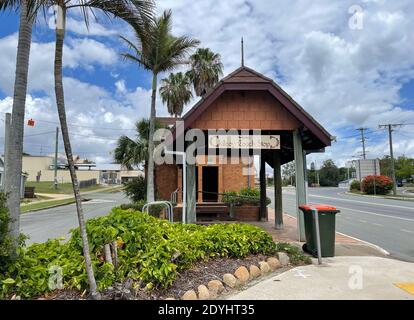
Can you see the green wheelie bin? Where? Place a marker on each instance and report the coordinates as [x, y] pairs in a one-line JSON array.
[[327, 219]]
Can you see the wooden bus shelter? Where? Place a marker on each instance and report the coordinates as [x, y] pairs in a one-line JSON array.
[[246, 100]]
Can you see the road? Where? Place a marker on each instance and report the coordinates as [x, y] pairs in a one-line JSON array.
[[384, 222], [56, 222]]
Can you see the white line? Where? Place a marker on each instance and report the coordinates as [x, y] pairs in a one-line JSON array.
[[377, 224], [362, 221], [357, 201], [377, 214], [407, 231]]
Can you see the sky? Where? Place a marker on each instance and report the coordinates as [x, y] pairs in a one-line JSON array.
[[350, 64]]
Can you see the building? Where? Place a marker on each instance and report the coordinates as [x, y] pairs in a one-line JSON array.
[[23, 179], [42, 168], [244, 100]]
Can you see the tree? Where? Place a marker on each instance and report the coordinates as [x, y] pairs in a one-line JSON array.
[[206, 70], [131, 153], [136, 14], [13, 161], [175, 92], [159, 51], [288, 172], [329, 174]]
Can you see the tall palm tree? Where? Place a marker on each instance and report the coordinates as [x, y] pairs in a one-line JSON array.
[[206, 70], [176, 92], [158, 51], [131, 153], [13, 159], [131, 11]]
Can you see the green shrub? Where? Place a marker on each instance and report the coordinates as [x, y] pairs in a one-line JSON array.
[[149, 249], [355, 185], [136, 189], [244, 197], [5, 240], [154, 210], [377, 185]]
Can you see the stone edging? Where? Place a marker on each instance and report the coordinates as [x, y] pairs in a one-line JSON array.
[[241, 277]]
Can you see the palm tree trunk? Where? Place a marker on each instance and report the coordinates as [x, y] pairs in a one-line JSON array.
[[13, 168], [150, 180], [60, 100]]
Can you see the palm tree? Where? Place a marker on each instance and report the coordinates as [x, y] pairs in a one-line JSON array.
[[13, 159], [206, 70], [133, 12], [131, 153], [176, 92], [159, 51]]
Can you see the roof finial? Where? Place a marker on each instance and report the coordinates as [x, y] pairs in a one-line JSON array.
[[242, 52]]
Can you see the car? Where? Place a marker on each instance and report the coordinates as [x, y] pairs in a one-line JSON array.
[[400, 183]]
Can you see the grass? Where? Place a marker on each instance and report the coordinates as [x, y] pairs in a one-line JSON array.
[[63, 188], [46, 205]]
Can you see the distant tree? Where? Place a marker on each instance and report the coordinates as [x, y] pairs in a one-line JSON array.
[[176, 92], [288, 173], [206, 70], [329, 174]]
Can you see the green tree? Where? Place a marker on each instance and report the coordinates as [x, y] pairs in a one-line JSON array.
[[329, 174], [132, 153], [206, 70], [176, 92], [131, 11], [157, 50], [288, 173]]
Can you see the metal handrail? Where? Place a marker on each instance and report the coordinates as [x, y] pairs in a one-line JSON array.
[[169, 206]]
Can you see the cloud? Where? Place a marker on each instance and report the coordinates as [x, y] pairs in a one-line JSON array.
[[345, 78]]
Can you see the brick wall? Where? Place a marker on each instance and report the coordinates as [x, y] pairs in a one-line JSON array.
[[166, 178]]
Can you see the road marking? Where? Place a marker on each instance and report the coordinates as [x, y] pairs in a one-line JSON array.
[[377, 224], [363, 221], [376, 214], [358, 201], [407, 287], [406, 231]]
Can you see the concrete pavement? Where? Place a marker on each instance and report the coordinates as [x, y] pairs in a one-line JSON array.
[[386, 223], [345, 278], [57, 222]]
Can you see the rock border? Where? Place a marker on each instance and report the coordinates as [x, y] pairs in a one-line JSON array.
[[239, 279]]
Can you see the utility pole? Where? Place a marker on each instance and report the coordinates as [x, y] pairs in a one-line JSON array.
[[56, 157], [362, 130], [390, 130], [7, 127]]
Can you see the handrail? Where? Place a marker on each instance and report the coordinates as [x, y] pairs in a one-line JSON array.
[[168, 205]]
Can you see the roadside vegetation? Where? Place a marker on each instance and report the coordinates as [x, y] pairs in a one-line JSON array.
[[63, 188], [151, 252]]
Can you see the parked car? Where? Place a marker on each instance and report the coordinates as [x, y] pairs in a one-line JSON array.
[[399, 183]]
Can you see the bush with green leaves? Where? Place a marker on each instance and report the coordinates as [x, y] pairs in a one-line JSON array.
[[355, 185], [5, 240], [246, 196], [154, 210], [150, 250], [136, 189]]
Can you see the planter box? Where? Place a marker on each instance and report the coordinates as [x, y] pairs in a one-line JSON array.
[[247, 213]]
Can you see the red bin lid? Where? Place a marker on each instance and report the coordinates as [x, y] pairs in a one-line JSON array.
[[319, 207]]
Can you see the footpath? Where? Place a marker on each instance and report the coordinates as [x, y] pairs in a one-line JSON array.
[[359, 270]]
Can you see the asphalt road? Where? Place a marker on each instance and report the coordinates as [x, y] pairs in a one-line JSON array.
[[57, 222], [385, 222]]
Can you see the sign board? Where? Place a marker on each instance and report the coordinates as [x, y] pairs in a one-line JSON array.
[[264, 142], [368, 167]]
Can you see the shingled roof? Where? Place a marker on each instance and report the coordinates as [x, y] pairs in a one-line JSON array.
[[247, 79]]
